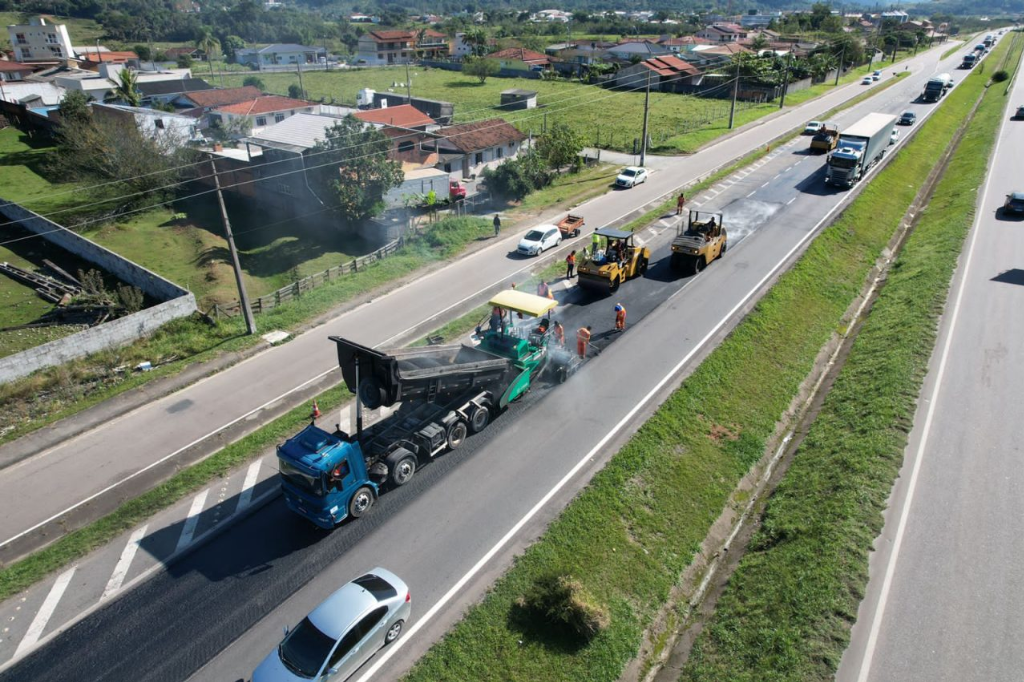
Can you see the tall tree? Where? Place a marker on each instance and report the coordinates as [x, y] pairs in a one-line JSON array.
[[561, 146], [481, 68], [354, 171], [208, 43]]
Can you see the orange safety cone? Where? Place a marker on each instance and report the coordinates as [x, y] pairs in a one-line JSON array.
[[316, 411]]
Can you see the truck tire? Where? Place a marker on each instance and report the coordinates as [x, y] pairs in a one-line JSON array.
[[479, 418], [457, 433], [401, 466], [361, 502], [699, 264], [371, 393], [641, 267], [613, 285]]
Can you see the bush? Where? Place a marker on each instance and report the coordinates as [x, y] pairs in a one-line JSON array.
[[1000, 76], [565, 603], [518, 177], [294, 91], [184, 61], [256, 82]]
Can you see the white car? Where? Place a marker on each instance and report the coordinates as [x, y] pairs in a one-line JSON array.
[[539, 240], [866, 81], [812, 127], [631, 176], [894, 136]]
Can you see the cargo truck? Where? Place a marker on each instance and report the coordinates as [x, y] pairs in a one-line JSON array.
[[443, 394], [989, 39], [936, 87], [860, 147], [969, 61]]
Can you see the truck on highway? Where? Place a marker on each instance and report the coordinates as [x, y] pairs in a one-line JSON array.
[[443, 394], [989, 39], [969, 61], [860, 146], [936, 87], [825, 139]]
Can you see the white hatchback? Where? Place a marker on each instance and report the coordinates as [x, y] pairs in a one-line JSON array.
[[539, 240]]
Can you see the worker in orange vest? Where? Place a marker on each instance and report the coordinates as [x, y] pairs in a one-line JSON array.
[[620, 318], [583, 340], [559, 332]]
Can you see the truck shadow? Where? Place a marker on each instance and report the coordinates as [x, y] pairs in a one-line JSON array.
[[815, 185]]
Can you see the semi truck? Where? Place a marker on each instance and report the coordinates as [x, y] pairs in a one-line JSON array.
[[860, 146], [989, 39], [936, 87], [442, 393], [969, 61]]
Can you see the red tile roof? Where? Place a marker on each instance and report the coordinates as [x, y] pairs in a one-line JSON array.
[[15, 66], [263, 105], [667, 65], [472, 137], [174, 52], [520, 54], [403, 116], [685, 40], [223, 96], [113, 57], [391, 36]]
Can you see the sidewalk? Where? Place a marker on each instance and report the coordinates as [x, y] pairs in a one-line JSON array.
[[119, 458]]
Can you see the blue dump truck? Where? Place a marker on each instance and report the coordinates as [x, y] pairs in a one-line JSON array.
[[443, 393], [860, 146], [936, 87]]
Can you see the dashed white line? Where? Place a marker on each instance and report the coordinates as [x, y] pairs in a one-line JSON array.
[[766, 183], [124, 563], [192, 520], [790, 201], [250, 482], [751, 194], [35, 630], [776, 176]]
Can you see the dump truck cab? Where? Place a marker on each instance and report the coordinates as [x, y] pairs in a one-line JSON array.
[[700, 241], [620, 259]]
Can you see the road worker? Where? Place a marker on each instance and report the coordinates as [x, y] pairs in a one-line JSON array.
[[620, 317], [570, 264], [680, 202], [543, 290], [583, 340], [559, 333]]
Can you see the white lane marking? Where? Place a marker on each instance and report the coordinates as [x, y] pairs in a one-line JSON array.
[[35, 630], [765, 184], [790, 168], [776, 176], [163, 459], [890, 569], [711, 191], [790, 201], [124, 563], [476, 568], [751, 194], [189, 529], [250, 482], [695, 204]]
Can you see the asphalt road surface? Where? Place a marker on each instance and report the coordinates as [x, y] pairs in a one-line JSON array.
[[945, 599], [103, 458], [457, 525]]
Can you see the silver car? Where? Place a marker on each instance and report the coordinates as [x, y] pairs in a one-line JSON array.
[[343, 633]]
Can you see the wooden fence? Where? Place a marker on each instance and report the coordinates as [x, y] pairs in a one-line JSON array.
[[306, 284]]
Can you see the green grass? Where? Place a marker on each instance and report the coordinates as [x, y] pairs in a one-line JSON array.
[[567, 190], [24, 573], [786, 612], [635, 528]]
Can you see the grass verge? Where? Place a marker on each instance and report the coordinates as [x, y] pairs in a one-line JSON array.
[[786, 612], [632, 532]]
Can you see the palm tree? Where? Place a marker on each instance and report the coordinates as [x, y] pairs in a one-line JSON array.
[[127, 90], [209, 44]]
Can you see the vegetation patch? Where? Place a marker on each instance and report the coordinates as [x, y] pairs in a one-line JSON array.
[[787, 611], [627, 555]]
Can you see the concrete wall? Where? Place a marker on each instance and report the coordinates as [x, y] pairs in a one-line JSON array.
[[175, 301]]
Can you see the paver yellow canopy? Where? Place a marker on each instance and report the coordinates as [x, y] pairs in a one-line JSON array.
[[522, 302]]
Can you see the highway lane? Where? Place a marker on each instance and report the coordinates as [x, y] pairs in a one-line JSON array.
[[98, 460], [270, 570], [945, 599]]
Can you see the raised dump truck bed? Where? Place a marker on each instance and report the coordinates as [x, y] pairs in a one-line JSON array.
[[386, 377]]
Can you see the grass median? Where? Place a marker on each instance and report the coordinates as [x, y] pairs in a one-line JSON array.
[[787, 611], [623, 543]]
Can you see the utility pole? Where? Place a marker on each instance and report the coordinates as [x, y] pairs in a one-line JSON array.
[[408, 84], [302, 88], [647, 109], [250, 322], [839, 69], [785, 84], [735, 94]]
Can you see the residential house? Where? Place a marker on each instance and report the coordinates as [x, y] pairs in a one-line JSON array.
[[261, 111], [521, 59], [40, 41], [91, 61], [14, 71], [280, 54], [898, 16], [402, 116], [173, 130], [379, 48], [551, 15], [723, 33], [165, 92], [707, 55], [759, 20], [363, 19], [407, 128], [682, 43], [465, 150], [459, 48], [666, 73], [442, 112], [628, 51], [199, 102], [193, 53]]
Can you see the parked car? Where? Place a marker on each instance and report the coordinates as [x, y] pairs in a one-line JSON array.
[[539, 240], [812, 127], [631, 176], [894, 136], [342, 633], [1020, 112], [1014, 203], [907, 118], [866, 81]]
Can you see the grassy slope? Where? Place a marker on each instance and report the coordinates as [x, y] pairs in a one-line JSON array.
[[634, 529], [788, 608]]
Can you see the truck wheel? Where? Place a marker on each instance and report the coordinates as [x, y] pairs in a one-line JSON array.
[[456, 434], [361, 502], [479, 419], [641, 267], [401, 466], [698, 264], [613, 285], [371, 393]]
